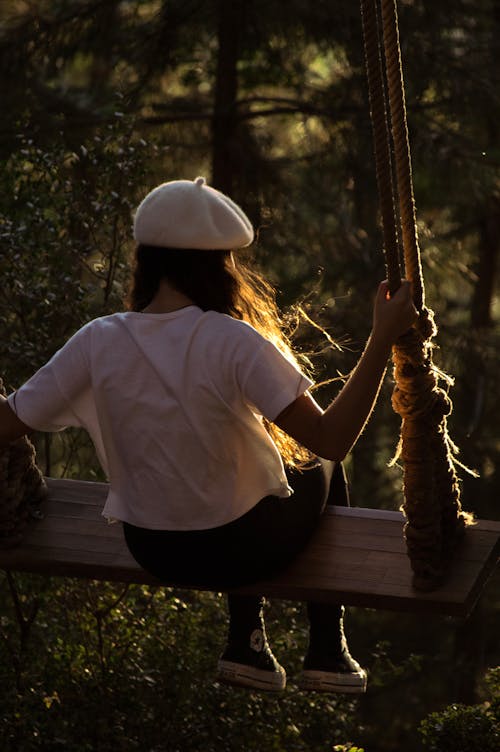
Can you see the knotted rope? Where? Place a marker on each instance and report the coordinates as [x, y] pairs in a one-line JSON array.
[[434, 518], [22, 488]]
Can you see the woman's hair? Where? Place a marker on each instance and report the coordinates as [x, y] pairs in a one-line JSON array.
[[215, 281]]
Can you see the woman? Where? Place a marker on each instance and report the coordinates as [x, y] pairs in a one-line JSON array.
[[195, 400]]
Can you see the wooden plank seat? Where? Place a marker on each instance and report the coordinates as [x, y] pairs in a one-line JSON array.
[[357, 557]]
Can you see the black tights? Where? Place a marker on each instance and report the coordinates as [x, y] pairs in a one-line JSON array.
[[326, 632]]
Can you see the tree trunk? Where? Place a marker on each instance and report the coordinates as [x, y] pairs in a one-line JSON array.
[[469, 656], [225, 116], [487, 267]]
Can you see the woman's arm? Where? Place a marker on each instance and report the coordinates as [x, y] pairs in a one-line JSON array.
[[331, 434], [11, 427]]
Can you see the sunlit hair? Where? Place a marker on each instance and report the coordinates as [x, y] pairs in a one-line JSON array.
[[215, 281]]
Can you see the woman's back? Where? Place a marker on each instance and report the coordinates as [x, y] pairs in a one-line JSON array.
[[171, 401]]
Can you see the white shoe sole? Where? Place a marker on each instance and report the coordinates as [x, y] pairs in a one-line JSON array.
[[327, 681], [240, 675]]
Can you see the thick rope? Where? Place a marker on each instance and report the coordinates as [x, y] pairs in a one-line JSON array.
[[435, 521], [404, 182], [381, 143], [22, 488]]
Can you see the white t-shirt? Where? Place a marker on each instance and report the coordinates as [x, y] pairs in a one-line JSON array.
[[173, 403]]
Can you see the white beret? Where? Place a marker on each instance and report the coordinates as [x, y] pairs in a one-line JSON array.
[[191, 214]]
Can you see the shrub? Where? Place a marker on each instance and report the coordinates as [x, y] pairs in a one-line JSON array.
[[461, 728]]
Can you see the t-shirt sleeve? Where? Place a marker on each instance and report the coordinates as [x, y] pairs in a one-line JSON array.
[[49, 400], [272, 382]]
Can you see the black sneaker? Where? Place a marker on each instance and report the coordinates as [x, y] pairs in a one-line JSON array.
[[251, 664], [333, 673]]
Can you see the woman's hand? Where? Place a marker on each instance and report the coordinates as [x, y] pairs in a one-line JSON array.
[[393, 315]]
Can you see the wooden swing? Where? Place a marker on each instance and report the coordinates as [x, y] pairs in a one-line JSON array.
[[357, 556]]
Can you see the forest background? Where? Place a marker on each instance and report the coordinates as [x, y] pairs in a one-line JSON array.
[[101, 100]]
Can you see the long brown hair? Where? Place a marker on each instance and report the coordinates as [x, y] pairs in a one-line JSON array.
[[217, 281]]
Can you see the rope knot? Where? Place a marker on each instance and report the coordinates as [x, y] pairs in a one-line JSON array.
[[426, 326], [22, 488]]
